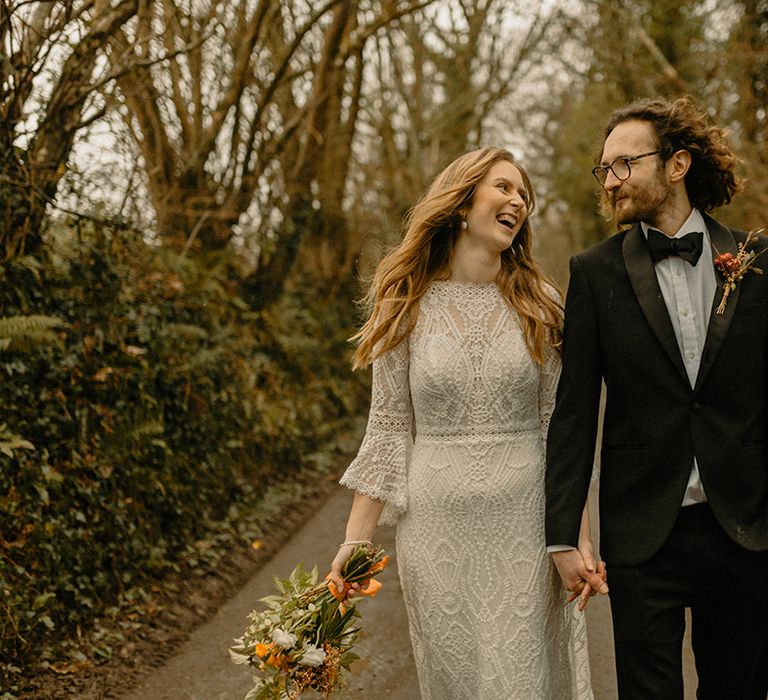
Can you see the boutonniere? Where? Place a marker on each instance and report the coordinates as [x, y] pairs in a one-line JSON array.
[[734, 267]]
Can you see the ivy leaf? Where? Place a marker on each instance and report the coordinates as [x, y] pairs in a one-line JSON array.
[[41, 600]]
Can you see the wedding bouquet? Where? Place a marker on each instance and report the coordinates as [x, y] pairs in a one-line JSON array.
[[305, 635]]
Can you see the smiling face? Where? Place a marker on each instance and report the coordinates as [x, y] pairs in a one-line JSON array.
[[498, 210], [643, 196]]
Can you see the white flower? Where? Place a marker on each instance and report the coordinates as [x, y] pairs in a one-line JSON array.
[[312, 656], [284, 639], [238, 658]]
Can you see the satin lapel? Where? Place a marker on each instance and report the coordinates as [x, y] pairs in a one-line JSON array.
[[722, 242], [648, 293]]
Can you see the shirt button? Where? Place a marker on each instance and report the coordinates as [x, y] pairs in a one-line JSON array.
[[685, 313], [691, 355]]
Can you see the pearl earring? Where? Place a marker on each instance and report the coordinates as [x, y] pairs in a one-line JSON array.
[[463, 224]]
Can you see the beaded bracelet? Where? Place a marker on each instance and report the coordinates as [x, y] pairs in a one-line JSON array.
[[353, 542]]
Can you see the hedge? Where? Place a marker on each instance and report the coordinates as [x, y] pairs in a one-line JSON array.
[[141, 400]]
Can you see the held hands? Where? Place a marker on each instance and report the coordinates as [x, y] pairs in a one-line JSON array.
[[581, 574]]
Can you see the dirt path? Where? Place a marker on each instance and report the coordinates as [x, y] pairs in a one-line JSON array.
[[201, 670]]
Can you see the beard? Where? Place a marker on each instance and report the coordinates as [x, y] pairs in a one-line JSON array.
[[632, 204]]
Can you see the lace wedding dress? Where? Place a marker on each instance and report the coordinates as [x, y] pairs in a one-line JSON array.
[[486, 609]]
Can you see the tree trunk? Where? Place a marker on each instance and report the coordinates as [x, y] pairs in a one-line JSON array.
[[31, 181], [18, 201]]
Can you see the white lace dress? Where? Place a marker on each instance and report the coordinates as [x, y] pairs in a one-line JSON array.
[[486, 609]]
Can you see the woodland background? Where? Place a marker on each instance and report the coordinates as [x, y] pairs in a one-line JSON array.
[[192, 193]]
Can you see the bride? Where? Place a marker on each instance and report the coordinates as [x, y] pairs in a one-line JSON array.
[[464, 338]]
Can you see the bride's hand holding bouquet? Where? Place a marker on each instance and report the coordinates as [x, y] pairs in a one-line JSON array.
[[343, 586]]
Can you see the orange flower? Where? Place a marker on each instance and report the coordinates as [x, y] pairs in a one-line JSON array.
[[372, 587], [272, 656], [278, 660], [335, 592], [379, 566], [369, 587], [264, 650]]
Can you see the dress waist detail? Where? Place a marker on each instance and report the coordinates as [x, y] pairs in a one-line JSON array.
[[474, 435]]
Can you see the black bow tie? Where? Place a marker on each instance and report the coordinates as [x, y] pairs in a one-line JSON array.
[[688, 247]]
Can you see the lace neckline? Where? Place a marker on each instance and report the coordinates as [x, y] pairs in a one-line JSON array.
[[464, 288], [454, 283]]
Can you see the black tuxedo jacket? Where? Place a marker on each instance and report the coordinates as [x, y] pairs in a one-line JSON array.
[[617, 329]]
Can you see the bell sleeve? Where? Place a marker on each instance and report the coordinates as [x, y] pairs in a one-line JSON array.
[[380, 468]]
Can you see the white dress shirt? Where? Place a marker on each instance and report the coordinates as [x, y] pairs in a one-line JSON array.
[[688, 293]]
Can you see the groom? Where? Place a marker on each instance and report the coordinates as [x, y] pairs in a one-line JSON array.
[[684, 460]]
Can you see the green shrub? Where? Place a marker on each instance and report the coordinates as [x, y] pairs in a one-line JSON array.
[[141, 400]]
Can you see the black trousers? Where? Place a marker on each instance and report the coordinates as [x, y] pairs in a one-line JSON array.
[[725, 586]]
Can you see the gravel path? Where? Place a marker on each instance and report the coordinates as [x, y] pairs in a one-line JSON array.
[[201, 670]]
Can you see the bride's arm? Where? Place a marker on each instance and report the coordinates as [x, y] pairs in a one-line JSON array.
[[361, 524], [378, 474]]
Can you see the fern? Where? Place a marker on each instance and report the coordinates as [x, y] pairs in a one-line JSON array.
[[136, 434], [26, 333], [206, 357], [147, 428], [186, 331], [10, 441]]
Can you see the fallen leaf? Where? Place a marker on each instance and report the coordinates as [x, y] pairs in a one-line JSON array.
[[102, 374], [135, 351]]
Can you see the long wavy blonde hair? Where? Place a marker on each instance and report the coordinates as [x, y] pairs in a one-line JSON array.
[[432, 228]]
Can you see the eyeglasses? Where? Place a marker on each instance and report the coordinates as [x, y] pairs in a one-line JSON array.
[[619, 167]]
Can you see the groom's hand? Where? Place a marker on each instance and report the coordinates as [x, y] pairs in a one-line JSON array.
[[587, 592], [577, 578]]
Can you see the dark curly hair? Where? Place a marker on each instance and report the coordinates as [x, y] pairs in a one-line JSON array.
[[680, 125]]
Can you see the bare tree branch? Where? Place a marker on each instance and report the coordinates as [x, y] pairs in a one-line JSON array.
[[32, 178], [245, 43], [667, 69], [386, 19], [121, 70]]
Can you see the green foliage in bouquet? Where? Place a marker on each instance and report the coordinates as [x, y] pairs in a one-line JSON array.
[[305, 635]]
